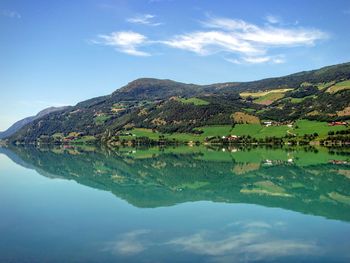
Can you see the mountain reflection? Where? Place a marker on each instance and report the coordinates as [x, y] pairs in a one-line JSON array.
[[312, 181]]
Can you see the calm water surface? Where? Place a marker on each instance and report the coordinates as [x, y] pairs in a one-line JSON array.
[[174, 205]]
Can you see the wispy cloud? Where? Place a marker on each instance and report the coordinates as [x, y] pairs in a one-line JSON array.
[[272, 19], [124, 41], [10, 14], [210, 42], [248, 43], [258, 60], [145, 19], [266, 36]]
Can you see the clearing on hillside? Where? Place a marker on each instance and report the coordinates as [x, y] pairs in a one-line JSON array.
[[262, 93], [269, 98], [241, 117], [195, 101], [339, 86]]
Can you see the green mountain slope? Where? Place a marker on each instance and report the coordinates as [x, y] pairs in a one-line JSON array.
[[169, 106], [21, 123]]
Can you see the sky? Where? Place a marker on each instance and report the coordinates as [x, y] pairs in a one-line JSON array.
[[55, 53]]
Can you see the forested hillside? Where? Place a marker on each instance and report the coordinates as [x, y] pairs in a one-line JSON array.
[[167, 106]]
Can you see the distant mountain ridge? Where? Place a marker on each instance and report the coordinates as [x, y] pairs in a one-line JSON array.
[[168, 106], [21, 123]]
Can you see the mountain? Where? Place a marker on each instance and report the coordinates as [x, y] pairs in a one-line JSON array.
[[21, 123], [168, 106]]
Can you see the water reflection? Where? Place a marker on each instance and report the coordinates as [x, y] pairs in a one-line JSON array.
[[250, 241], [207, 205], [308, 180]]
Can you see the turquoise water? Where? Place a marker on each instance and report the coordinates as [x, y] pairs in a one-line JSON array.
[[174, 205]]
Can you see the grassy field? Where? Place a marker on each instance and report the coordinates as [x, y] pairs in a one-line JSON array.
[[269, 98], [339, 86], [140, 132], [195, 101], [297, 100], [215, 130], [249, 110], [208, 131], [254, 130], [99, 120], [344, 112], [262, 93], [241, 117], [324, 85], [302, 127], [85, 139], [258, 131], [265, 97]]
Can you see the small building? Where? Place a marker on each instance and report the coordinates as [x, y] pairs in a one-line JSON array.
[[232, 137], [337, 123]]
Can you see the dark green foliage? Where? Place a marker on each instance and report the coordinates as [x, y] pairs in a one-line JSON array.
[[154, 104], [303, 92]]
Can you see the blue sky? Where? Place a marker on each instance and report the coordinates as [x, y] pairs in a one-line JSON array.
[[62, 52]]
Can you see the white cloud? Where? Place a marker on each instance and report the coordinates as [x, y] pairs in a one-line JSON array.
[[273, 19], [146, 19], [125, 41], [272, 36], [258, 60], [241, 38], [228, 24], [267, 35], [10, 14], [249, 43], [206, 43], [234, 61], [278, 60]]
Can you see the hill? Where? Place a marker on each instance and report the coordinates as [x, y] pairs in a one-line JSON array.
[[168, 107], [21, 123]]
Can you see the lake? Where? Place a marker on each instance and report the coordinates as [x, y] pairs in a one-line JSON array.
[[182, 204]]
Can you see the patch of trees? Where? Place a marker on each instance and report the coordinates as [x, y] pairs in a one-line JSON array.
[[303, 92]]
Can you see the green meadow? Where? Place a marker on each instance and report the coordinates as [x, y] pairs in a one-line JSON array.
[[258, 131], [339, 86], [195, 101]]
